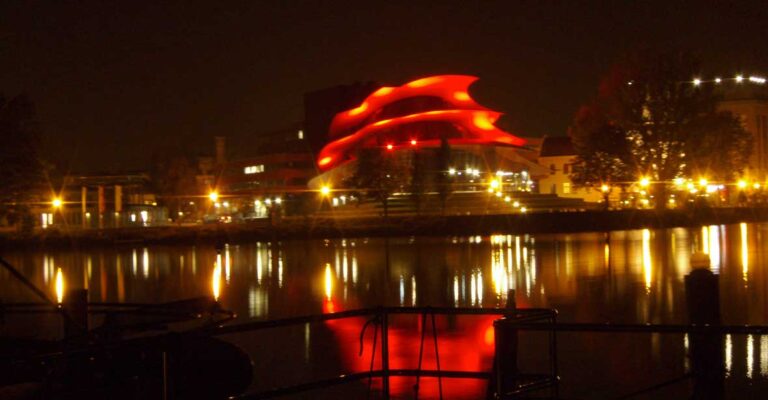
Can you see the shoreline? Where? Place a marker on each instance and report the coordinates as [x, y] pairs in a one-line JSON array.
[[299, 228]]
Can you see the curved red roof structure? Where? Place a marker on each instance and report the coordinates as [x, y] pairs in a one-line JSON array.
[[419, 113]]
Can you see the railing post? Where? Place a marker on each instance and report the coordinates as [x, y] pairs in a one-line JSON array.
[[505, 339], [75, 306], [385, 353], [706, 349]]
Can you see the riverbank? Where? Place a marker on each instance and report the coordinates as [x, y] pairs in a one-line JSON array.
[[319, 228]]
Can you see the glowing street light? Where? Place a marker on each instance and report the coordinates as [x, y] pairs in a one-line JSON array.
[[605, 188], [413, 142], [756, 185], [325, 190], [494, 183], [739, 78], [644, 182], [214, 196], [696, 82], [390, 147], [56, 202], [742, 184], [703, 182]]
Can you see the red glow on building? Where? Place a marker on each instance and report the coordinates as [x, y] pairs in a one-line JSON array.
[[388, 112]]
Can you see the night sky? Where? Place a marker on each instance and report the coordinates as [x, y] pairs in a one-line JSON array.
[[113, 81]]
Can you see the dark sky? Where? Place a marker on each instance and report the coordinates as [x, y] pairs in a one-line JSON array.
[[113, 81]]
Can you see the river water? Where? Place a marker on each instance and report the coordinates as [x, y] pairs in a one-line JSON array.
[[622, 277]]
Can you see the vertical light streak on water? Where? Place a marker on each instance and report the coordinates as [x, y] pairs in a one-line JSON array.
[[681, 252], [402, 291], [517, 252], [705, 239], [480, 287], [59, 286], [413, 291], [568, 257], [728, 354], [145, 262], [714, 248], [473, 290], [606, 255], [533, 265], [259, 264], [647, 262], [269, 260], [750, 356], [89, 267], [455, 291], [744, 252], [345, 265], [227, 263], [328, 282], [764, 356], [307, 339], [135, 262], [216, 280], [120, 280], [686, 354], [46, 269], [194, 261], [280, 268], [464, 288], [354, 267]]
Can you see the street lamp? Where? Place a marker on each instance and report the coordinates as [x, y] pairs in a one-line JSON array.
[[605, 188], [325, 190], [214, 196], [644, 182], [742, 184], [56, 202]]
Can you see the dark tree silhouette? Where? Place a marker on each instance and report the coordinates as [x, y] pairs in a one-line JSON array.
[[670, 126], [173, 177], [377, 175]]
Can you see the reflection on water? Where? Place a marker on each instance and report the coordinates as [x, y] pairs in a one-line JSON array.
[[59, 286], [627, 276], [622, 276]]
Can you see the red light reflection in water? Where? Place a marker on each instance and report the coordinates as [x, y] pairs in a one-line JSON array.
[[465, 344]]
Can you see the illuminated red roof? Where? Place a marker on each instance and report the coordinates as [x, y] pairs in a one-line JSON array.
[[391, 117]]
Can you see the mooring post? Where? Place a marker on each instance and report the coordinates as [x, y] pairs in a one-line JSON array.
[[706, 349], [75, 306], [505, 341]]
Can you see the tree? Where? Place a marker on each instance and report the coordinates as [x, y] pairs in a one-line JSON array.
[[377, 175], [649, 100], [21, 171], [173, 177], [418, 179], [443, 181]]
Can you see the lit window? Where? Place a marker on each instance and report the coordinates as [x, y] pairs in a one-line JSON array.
[[253, 169], [301, 134], [566, 188]]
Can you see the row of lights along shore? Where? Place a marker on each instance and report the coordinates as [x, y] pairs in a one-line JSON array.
[[738, 79]]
